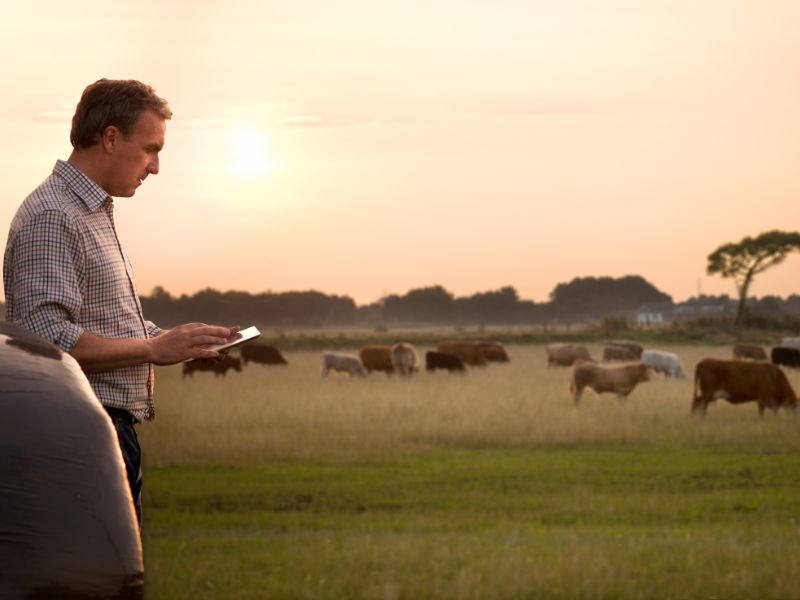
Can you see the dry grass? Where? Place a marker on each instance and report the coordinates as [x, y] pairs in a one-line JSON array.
[[269, 413]]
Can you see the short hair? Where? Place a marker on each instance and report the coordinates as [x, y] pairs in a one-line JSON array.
[[117, 102]]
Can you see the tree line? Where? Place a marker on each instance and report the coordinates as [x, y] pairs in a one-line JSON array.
[[582, 300]]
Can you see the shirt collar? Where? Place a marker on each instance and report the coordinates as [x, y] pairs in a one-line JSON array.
[[91, 194]]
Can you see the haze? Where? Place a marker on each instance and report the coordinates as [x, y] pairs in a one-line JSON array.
[[369, 148]]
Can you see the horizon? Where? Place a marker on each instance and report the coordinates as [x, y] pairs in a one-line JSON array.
[[521, 298], [360, 151]]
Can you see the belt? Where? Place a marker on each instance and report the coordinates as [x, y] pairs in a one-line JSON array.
[[118, 413]]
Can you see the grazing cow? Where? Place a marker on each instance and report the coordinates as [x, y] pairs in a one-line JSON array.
[[632, 346], [664, 362], [441, 360], [621, 380], [470, 353], [377, 358], [404, 359], [612, 352], [791, 342], [740, 381], [342, 363], [565, 355], [265, 355], [751, 351], [786, 356], [494, 352], [218, 366]]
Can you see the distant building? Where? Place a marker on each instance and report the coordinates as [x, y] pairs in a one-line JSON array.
[[700, 310], [650, 315], [649, 318]]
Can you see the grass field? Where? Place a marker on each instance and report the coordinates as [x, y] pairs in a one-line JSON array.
[[275, 483]]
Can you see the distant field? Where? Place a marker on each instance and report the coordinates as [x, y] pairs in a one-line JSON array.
[[275, 483]]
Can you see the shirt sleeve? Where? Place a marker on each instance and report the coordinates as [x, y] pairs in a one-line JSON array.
[[46, 268], [152, 329]]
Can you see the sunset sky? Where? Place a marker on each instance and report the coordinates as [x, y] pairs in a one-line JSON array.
[[366, 148]]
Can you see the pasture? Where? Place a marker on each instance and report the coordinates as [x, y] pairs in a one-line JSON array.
[[275, 483]]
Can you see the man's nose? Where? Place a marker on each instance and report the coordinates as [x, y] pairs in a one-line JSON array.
[[152, 166]]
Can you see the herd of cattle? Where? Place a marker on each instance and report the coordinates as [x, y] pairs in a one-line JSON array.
[[751, 375]]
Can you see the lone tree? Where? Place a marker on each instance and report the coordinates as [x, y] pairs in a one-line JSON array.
[[744, 260]]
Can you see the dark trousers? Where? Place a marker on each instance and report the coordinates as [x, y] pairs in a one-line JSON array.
[[131, 454]]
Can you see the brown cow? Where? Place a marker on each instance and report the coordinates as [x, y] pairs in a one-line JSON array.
[[613, 352], [494, 352], [620, 380], [470, 353], [632, 346], [751, 351], [439, 360], [218, 366], [565, 355], [265, 355], [739, 381], [377, 358]]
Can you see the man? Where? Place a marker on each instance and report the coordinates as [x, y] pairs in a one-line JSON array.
[[66, 277]]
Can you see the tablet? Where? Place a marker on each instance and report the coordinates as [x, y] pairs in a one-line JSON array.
[[245, 335]]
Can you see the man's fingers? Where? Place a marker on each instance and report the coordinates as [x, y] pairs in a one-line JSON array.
[[207, 340]]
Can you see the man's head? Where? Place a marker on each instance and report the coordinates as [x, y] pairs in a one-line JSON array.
[[117, 133]]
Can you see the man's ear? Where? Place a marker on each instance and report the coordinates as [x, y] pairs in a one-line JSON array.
[[111, 137]]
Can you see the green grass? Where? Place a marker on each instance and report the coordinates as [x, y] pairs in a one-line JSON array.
[[276, 484], [493, 523]]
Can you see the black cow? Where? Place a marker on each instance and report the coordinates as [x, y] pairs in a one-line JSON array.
[[441, 360], [265, 355], [786, 356], [218, 366]]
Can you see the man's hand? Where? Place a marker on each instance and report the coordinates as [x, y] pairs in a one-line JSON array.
[[183, 342]]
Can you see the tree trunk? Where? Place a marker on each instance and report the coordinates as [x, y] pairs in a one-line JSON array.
[[741, 310]]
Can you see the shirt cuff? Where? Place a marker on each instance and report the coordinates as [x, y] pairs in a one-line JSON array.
[[152, 329], [68, 335]]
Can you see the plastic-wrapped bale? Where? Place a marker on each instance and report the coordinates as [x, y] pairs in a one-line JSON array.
[[67, 523]]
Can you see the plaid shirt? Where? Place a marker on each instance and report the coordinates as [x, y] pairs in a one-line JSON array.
[[64, 273]]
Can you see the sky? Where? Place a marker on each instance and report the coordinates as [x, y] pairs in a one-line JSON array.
[[366, 148]]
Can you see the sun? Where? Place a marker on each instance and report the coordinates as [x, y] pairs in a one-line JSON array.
[[249, 152]]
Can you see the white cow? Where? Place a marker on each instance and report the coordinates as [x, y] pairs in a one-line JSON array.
[[664, 362], [791, 342], [404, 359], [343, 363]]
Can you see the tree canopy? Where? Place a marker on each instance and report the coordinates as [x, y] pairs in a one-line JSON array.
[[743, 260]]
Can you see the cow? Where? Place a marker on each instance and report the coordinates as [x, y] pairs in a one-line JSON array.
[[632, 346], [791, 342], [470, 353], [218, 366], [786, 356], [265, 355], [342, 363], [621, 380], [494, 352], [612, 352], [404, 359], [739, 381], [565, 355], [441, 360], [751, 351], [664, 362], [377, 358]]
